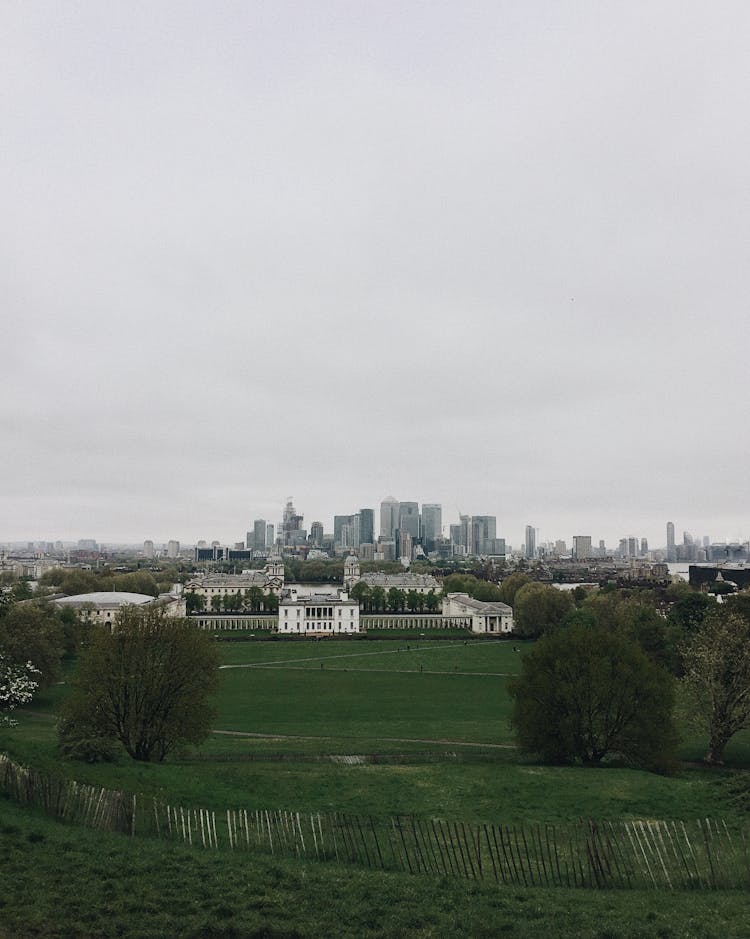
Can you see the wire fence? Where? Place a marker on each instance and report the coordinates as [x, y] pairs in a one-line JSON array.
[[641, 853]]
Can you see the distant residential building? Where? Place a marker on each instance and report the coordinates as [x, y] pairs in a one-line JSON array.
[[173, 549], [148, 549]]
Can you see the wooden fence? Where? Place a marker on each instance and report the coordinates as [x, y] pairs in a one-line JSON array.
[[701, 854]]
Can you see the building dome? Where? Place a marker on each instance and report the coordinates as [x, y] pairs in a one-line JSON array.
[[106, 599]]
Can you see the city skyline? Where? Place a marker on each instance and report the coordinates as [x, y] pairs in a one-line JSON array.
[[540, 534], [495, 257]]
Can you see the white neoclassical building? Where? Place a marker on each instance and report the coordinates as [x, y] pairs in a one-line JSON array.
[[310, 611], [214, 587], [419, 583], [486, 617]]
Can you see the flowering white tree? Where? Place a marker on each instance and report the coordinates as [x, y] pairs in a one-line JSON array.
[[17, 686]]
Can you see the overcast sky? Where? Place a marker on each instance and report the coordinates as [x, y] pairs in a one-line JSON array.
[[494, 255]]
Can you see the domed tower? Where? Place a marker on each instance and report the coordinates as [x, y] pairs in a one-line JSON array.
[[351, 571]]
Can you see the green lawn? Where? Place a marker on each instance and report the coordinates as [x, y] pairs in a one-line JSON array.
[[63, 882], [370, 698], [446, 729]]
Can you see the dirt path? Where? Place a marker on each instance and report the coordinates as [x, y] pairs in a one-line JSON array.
[[440, 742]]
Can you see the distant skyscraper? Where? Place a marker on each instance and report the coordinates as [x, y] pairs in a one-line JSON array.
[[291, 524], [173, 549], [408, 518], [269, 535], [530, 541], [432, 524], [671, 550], [343, 531], [483, 534], [259, 534], [316, 534], [148, 549], [582, 547], [366, 526], [388, 518], [644, 547]]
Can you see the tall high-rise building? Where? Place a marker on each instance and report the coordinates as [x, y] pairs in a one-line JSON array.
[[530, 541], [173, 549], [432, 524], [582, 547], [291, 524], [388, 518], [408, 518], [366, 526], [269, 535], [671, 549], [644, 547], [316, 534], [483, 534], [343, 531], [148, 549], [259, 534]]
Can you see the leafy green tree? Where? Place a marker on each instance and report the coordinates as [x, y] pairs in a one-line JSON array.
[[540, 609], [72, 582], [361, 593], [432, 602], [254, 598], [690, 610], [717, 678], [511, 585], [271, 603], [137, 582], [396, 599], [147, 684], [194, 602], [473, 586], [377, 599], [637, 618], [413, 601], [30, 632], [585, 694]]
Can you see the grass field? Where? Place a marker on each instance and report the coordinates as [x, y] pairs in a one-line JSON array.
[[61, 882], [283, 707]]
